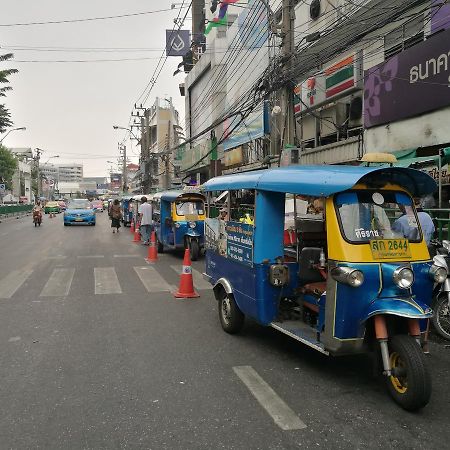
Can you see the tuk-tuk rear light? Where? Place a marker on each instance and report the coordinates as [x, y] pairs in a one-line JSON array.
[[438, 273], [403, 277], [348, 275], [192, 224]]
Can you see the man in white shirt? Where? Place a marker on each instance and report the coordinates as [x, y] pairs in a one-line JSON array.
[[145, 215]]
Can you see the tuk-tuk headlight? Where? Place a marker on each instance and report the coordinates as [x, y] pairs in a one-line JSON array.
[[192, 224], [438, 273], [348, 275], [403, 277]]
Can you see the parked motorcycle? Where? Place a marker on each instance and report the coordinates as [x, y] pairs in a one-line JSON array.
[[440, 251], [37, 218]]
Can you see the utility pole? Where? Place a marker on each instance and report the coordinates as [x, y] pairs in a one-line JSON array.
[[287, 51], [39, 178], [124, 169]]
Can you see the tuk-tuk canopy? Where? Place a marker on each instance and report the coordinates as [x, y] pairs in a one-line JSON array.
[[172, 196], [323, 181]]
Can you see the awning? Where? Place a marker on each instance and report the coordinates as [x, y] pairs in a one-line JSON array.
[[409, 158]]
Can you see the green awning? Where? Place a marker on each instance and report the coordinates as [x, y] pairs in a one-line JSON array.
[[408, 158]]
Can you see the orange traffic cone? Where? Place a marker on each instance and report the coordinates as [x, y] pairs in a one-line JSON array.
[[132, 226], [152, 252], [186, 288], [137, 236]]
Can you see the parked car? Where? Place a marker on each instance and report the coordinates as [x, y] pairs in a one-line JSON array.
[[79, 211], [52, 207], [97, 206]]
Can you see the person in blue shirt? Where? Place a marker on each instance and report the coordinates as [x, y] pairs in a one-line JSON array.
[[407, 224]]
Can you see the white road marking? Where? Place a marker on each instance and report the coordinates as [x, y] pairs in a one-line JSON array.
[[152, 280], [280, 412], [199, 282], [12, 282], [106, 281], [58, 285], [90, 256], [57, 257], [127, 256], [14, 339]]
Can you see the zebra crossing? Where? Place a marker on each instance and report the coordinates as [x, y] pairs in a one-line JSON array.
[[60, 282]]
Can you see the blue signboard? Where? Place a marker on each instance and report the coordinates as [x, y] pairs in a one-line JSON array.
[[177, 42], [240, 242]]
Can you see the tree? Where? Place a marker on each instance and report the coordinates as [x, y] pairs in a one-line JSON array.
[[5, 116], [8, 165]]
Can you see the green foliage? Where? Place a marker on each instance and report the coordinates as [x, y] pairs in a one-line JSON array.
[[5, 116], [8, 165]]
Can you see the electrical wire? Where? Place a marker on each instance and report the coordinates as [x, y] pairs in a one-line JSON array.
[[88, 19]]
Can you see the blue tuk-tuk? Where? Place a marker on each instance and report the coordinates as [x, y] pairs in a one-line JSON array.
[[127, 210], [178, 219], [325, 261]]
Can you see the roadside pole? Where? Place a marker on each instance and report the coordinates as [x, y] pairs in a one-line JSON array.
[[287, 94], [124, 169]]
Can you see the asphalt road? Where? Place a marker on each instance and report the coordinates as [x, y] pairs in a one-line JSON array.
[[95, 353]]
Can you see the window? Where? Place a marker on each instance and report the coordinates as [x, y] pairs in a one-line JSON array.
[[369, 215], [190, 208]]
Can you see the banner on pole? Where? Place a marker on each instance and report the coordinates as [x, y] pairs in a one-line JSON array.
[[177, 42]]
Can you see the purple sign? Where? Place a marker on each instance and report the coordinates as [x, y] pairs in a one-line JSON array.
[[410, 83], [440, 19]]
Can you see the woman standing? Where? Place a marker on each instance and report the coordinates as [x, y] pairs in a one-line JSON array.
[[116, 214]]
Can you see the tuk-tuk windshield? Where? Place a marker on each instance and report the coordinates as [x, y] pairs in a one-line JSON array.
[[368, 215], [190, 208]]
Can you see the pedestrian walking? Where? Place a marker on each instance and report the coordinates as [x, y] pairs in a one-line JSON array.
[[145, 214], [115, 213]]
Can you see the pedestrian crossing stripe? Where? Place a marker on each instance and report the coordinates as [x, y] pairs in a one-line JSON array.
[[60, 282]]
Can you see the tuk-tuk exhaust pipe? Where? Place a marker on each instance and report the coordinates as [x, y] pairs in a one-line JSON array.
[[382, 337]]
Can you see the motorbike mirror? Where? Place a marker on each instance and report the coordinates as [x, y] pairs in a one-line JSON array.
[[446, 245]]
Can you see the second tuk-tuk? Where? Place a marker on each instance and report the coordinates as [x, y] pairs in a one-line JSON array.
[[178, 218], [127, 210], [337, 273]]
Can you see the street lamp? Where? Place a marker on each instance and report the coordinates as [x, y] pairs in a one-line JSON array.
[[13, 129], [116, 127]]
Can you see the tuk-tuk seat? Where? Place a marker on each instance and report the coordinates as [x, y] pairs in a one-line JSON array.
[[316, 289]]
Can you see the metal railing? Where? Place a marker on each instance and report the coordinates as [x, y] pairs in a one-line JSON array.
[[14, 210]]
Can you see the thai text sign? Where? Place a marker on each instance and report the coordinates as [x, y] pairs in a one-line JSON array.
[[240, 242], [410, 83]]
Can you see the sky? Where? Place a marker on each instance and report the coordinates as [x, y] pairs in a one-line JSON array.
[[69, 109]]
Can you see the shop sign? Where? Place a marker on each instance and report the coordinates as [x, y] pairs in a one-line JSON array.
[[233, 157], [336, 80], [433, 171], [195, 154], [413, 82]]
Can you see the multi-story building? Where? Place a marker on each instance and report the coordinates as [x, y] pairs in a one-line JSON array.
[[160, 127], [368, 75], [62, 173]]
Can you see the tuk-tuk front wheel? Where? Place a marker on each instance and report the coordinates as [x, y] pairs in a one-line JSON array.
[[410, 382], [231, 317], [194, 249]]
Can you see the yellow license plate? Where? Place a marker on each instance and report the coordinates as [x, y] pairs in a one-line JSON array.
[[78, 220], [390, 249]]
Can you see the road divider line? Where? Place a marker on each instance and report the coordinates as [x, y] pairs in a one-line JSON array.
[[280, 412], [12, 282], [106, 281], [127, 256], [58, 285], [152, 280], [199, 282], [90, 256]]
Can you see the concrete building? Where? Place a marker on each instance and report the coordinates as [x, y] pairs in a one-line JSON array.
[[234, 57], [63, 173], [366, 77], [160, 127], [21, 181]]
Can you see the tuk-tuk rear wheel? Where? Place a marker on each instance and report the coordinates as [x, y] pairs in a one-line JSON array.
[[231, 317], [194, 249], [410, 382]]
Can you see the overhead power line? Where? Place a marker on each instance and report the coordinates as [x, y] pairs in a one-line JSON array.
[[87, 19]]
